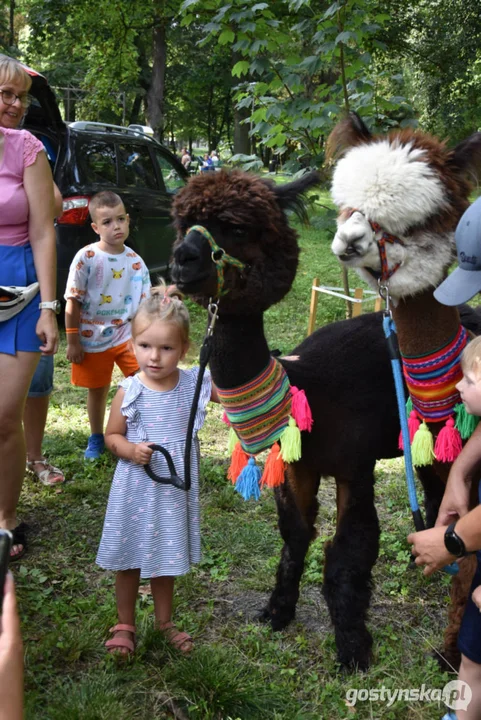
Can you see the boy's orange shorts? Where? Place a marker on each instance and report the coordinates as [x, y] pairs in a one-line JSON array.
[[96, 369]]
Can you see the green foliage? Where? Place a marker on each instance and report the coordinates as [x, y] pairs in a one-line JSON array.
[[217, 683], [284, 70], [108, 52], [246, 162], [303, 66]]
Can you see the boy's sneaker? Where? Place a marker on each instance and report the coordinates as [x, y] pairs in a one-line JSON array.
[[95, 446]]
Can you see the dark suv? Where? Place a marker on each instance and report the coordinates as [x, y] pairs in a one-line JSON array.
[[87, 157]]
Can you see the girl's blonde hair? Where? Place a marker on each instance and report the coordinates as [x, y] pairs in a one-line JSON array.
[[471, 357], [165, 303], [11, 72]]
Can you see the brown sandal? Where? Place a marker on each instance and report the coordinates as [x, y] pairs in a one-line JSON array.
[[121, 643], [181, 641]]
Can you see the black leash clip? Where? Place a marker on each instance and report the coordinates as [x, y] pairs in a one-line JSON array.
[[205, 352], [174, 479]]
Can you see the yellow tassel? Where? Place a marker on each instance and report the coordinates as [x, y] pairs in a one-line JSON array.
[[422, 448], [291, 442], [232, 440]]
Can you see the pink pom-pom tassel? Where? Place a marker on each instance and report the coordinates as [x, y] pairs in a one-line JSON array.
[[225, 419], [413, 424], [448, 443], [413, 427], [300, 410]]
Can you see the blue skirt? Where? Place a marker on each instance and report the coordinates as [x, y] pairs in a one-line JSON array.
[[18, 333]]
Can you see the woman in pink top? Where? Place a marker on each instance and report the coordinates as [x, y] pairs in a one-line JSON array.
[[41, 387], [27, 254]]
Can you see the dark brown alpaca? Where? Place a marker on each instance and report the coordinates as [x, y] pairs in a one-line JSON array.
[[344, 369]]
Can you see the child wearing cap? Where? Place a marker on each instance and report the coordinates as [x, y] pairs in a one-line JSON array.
[[465, 281], [457, 529], [440, 545], [106, 283]]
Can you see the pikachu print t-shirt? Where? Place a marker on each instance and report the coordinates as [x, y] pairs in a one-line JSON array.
[[110, 289]]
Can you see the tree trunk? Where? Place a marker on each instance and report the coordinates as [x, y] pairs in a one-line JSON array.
[[209, 119], [155, 94], [241, 138], [241, 132], [12, 23], [134, 113]]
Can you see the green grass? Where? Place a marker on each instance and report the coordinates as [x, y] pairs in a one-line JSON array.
[[239, 670]]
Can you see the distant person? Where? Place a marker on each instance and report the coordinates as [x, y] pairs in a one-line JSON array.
[[27, 256], [207, 164], [215, 159], [186, 158], [274, 165], [106, 283], [152, 530]]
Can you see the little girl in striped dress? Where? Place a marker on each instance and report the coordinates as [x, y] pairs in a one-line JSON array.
[[152, 530]]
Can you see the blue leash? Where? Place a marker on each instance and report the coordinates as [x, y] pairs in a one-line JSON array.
[[390, 333], [389, 328]]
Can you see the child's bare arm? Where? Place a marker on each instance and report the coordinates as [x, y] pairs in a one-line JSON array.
[[75, 351], [476, 596], [455, 501], [115, 439], [213, 394]]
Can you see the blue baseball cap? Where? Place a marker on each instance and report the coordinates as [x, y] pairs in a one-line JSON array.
[[465, 281]]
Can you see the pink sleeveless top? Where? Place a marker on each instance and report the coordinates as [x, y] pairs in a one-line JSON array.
[[20, 149]]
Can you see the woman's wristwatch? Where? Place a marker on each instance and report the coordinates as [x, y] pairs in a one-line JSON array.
[[54, 305], [454, 544]]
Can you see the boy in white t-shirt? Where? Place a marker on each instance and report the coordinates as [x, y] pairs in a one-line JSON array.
[[106, 283]]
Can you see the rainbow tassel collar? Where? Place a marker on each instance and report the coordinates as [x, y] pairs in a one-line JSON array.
[[431, 380], [267, 412]]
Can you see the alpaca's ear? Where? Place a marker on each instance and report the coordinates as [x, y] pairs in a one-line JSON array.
[[289, 195], [466, 156], [349, 132]]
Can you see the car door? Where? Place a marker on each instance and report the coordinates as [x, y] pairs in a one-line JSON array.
[[147, 202]]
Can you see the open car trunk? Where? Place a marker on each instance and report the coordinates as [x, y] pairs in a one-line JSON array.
[[43, 117]]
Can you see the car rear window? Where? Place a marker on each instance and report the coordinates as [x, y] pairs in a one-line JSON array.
[[136, 167], [97, 162], [172, 180]]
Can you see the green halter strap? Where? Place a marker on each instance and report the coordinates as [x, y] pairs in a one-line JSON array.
[[219, 257]]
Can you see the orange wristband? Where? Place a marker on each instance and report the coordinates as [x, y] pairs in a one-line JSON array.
[[71, 331]]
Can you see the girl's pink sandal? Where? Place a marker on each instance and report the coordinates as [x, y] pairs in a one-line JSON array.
[[120, 643], [181, 641]]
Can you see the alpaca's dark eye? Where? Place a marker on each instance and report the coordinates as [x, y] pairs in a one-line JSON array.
[[238, 233]]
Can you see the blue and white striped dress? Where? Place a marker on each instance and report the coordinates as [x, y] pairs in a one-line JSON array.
[[147, 525]]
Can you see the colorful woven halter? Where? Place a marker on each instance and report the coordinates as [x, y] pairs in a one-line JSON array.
[[386, 237], [386, 273], [260, 413], [431, 380], [259, 410], [219, 257]]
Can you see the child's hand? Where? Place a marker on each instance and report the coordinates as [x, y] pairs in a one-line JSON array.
[[142, 453], [476, 597], [75, 352]]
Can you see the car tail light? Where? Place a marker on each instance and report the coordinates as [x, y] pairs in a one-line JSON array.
[[75, 211]]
